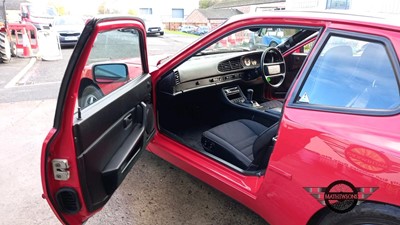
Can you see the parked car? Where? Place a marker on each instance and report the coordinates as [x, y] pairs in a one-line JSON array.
[[298, 137], [264, 38], [153, 25], [69, 29], [187, 28], [201, 30]]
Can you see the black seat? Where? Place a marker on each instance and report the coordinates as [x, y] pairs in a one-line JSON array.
[[244, 143]]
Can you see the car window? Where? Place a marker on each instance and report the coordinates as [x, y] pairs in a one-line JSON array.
[[69, 21], [113, 61], [254, 39], [307, 48], [351, 73]]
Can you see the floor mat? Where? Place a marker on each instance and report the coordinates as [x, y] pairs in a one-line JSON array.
[[192, 136]]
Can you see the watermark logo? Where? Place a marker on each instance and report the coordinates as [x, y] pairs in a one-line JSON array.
[[341, 196]]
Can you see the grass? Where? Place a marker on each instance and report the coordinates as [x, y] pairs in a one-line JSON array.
[[180, 33]]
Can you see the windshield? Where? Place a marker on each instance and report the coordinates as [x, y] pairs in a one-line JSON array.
[[38, 10], [69, 21], [254, 39]]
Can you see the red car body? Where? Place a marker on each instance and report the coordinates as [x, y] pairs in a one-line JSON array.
[[314, 149]]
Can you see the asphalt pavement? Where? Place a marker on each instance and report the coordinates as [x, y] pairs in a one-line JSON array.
[[154, 192]]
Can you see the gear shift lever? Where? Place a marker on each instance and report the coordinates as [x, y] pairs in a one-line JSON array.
[[249, 99], [249, 96]]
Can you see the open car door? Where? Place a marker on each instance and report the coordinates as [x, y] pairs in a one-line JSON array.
[[103, 121]]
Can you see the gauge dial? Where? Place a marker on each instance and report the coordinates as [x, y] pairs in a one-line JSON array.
[[247, 61], [254, 62]]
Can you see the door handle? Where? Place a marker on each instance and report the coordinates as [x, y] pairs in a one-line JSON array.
[[128, 120]]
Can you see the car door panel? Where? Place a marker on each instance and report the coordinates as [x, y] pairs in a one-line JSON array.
[[91, 148], [108, 137]]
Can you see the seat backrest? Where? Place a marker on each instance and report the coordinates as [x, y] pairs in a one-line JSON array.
[[325, 81], [262, 142], [374, 79]]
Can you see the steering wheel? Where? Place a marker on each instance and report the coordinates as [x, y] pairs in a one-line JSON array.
[[273, 67]]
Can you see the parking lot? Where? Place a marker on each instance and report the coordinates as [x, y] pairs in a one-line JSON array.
[[155, 192]]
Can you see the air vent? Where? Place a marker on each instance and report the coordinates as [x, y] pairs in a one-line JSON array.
[[230, 65], [236, 65], [68, 201], [177, 77], [224, 66]]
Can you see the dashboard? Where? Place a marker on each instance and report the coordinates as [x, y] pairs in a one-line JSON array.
[[208, 70]]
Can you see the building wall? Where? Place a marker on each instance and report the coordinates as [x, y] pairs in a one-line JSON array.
[[373, 6], [215, 23], [163, 9], [196, 17], [244, 9], [306, 4], [260, 7], [357, 6], [268, 7]]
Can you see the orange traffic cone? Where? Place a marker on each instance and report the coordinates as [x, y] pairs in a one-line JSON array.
[[26, 44]]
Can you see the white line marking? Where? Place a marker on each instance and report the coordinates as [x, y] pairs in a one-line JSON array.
[[20, 74], [38, 84]]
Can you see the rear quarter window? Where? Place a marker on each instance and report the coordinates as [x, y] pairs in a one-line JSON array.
[[351, 73]]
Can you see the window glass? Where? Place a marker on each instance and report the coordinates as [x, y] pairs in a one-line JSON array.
[[307, 48], [177, 13], [41, 10], [146, 11], [114, 60], [337, 4], [351, 73], [255, 40]]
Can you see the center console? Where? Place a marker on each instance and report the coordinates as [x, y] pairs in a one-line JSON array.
[[235, 96]]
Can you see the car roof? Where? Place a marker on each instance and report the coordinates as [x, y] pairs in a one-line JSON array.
[[350, 17]]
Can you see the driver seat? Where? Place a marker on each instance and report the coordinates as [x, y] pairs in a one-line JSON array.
[[243, 143]]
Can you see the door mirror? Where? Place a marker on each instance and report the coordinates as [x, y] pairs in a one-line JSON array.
[[110, 73]]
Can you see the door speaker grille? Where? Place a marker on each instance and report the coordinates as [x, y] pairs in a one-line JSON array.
[[68, 200]]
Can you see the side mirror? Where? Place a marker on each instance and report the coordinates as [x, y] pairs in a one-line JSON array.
[[110, 73]]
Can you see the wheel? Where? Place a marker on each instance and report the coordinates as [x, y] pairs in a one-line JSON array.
[[273, 67], [5, 50], [89, 96], [162, 33], [273, 44], [366, 213], [13, 49]]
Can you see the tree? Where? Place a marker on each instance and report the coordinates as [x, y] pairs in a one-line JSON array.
[[203, 4], [132, 12], [102, 9]]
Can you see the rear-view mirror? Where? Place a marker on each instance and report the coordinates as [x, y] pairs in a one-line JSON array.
[[110, 72]]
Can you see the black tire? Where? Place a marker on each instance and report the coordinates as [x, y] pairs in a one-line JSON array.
[[5, 50], [89, 96], [366, 213], [273, 44], [161, 33], [13, 49]]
